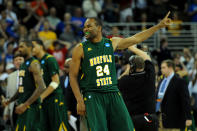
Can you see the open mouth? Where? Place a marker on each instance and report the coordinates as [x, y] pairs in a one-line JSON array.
[[87, 34]]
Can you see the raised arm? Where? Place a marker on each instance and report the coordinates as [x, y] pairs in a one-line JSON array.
[[73, 74], [36, 71], [122, 43], [139, 52]]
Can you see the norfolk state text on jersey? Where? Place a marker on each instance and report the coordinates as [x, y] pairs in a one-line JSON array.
[[102, 71]]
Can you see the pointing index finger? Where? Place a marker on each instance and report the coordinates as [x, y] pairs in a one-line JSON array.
[[167, 14]]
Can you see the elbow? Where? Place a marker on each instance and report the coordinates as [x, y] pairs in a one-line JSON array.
[[136, 40]]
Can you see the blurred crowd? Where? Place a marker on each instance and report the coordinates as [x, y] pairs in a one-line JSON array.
[[59, 24]]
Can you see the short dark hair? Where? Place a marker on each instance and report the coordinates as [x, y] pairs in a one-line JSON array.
[[10, 43], [98, 22], [17, 55], [28, 43], [169, 63], [136, 62], [39, 42]]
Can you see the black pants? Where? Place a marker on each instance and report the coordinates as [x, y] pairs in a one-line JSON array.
[[145, 122]]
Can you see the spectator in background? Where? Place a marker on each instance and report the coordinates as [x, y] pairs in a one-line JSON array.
[[143, 21], [192, 11], [163, 53], [30, 18], [11, 15], [110, 11], [193, 87], [173, 101], [11, 89], [9, 53], [2, 68], [138, 89], [91, 8], [155, 10], [33, 35], [52, 18], [46, 35], [3, 27], [175, 27], [3, 83], [22, 32], [7, 24], [115, 32], [9, 68], [2, 54], [126, 14], [188, 59], [59, 52], [62, 24], [180, 68], [40, 7], [69, 96], [140, 7], [182, 72], [78, 21], [68, 35]]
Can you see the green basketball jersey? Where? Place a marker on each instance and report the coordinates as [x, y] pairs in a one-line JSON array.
[[49, 67], [26, 81], [98, 67]]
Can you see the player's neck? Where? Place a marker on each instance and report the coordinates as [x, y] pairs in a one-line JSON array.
[[41, 54], [97, 39], [28, 56]]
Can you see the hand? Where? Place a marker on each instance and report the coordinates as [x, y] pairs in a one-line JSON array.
[[4, 102], [188, 123], [68, 113], [20, 109], [81, 108], [6, 117], [165, 21], [41, 99]]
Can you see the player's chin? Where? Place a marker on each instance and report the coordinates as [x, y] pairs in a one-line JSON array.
[[87, 37]]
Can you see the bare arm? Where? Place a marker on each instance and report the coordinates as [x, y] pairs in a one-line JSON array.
[[7, 102], [74, 70], [45, 9], [139, 52], [126, 72], [27, 17], [192, 13], [3, 32], [35, 69], [122, 43], [49, 90], [13, 98]]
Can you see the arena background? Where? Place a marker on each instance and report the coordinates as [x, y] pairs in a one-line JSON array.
[[59, 24]]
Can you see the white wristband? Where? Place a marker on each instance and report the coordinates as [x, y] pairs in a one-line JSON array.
[[54, 84]]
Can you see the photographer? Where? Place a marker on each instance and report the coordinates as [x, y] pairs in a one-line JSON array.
[[138, 88]]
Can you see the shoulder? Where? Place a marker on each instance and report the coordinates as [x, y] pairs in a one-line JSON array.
[[176, 78], [34, 60], [148, 62], [13, 74], [48, 57], [78, 50], [149, 65], [115, 42], [115, 39]]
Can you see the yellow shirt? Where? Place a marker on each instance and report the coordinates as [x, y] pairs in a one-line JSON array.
[[175, 27], [47, 37]]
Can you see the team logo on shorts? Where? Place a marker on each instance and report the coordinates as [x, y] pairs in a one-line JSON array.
[[107, 44]]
